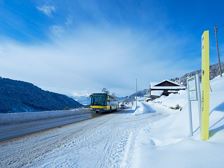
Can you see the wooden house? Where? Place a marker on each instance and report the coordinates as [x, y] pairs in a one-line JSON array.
[[165, 88]]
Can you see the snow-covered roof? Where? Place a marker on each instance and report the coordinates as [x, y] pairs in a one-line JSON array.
[[168, 87], [169, 81]]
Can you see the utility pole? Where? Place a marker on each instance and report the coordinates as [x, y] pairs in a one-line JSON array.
[[136, 85], [217, 48]]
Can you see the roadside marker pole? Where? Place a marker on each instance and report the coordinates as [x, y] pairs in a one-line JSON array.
[[205, 86], [136, 92]]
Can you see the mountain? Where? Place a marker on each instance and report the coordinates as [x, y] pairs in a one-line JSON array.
[[19, 96], [140, 93], [85, 100], [214, 71]]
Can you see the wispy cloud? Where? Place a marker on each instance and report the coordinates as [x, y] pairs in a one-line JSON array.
[[69, 20], [57, 30], [47, 9], [92, 58]]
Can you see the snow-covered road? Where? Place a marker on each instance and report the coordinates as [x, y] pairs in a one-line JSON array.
[[16, 129], [105, 141]]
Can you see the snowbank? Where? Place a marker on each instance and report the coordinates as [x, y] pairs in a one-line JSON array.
[[177, 125], [143, 108], [173, 100], [166, 143], [11, 118]]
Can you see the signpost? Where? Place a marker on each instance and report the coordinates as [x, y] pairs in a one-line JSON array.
[[205, 86], [193, 88]]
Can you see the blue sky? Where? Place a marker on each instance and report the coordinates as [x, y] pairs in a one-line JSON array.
[[80, 46]]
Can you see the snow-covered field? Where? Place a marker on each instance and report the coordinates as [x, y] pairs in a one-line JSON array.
[[152, 135]]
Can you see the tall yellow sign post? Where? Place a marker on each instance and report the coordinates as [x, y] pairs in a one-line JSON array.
[[205, 87]]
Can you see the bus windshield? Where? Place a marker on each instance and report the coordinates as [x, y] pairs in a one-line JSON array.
[[99, 99]]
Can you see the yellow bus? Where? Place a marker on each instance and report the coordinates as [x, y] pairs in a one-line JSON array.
[[103, 102]]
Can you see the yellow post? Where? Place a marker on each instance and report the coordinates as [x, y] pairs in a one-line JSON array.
[[205, 87]]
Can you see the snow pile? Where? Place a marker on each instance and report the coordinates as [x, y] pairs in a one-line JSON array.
[[166, 143], [142, 108], [179, 124], [173, 100]]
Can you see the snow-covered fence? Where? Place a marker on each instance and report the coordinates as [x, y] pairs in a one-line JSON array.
[[11, 118]]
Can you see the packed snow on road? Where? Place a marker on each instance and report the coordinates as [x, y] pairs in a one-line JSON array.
[[153, 134]]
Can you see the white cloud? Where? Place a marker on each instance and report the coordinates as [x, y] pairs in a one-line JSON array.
[[47, 9], [69, 21], [93, 58], [57, 30]]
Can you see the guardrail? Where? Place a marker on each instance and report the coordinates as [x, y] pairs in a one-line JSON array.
[[13, 118]]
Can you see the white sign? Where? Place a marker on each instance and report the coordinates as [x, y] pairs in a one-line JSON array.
[[192, 88], [192, 84], [193, 95]]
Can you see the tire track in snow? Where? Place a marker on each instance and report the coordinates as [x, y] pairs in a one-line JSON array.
[[114, 150], [100, 142], [38, 147], [126, 159]]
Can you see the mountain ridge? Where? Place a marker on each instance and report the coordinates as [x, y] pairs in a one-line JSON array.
[[20, 96]]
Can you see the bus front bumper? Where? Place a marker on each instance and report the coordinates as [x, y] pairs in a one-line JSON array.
[[100, 108]]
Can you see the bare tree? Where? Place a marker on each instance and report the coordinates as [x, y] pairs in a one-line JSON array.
[[105, 90], [113, 94]]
